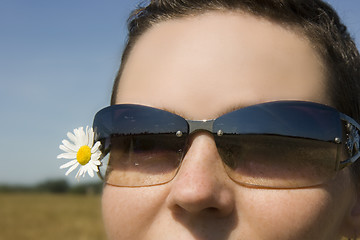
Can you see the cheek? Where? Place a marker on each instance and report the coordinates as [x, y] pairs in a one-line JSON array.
[[293, 211], [317, 213], [129, 212]]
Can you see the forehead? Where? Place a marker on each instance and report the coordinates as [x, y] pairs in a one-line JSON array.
[[203, 66]]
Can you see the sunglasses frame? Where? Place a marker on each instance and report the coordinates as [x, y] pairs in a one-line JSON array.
[[349, 137], [353, 140]]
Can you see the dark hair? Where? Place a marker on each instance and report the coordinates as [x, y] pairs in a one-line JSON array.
[[314, 19]]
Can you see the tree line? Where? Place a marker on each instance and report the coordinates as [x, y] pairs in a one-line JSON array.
[[59, 186]]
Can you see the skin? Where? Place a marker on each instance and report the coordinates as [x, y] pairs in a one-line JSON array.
[[201, 67]]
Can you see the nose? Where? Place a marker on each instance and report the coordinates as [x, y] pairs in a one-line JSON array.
[[202, 185]]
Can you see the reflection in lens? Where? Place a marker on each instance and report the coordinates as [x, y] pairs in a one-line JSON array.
[[276, 161], [143, 160]]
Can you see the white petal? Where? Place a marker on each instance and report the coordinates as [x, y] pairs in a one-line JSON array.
[[91, 137], [72, 168], [70, 146], [74, 140], [76, 133], [68, 164], [95, 147], [86, 132], [67, 155], [87, 136], [65, 149], [90, 172], [79, 133], [93, 167], [83, 138], [84, 170], [78, 174], [95, 156], [72, 137], [96, 162]]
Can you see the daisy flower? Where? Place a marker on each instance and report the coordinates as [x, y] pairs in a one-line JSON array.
[[82, 152]]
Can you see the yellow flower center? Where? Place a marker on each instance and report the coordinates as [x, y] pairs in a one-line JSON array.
[[83, 156]]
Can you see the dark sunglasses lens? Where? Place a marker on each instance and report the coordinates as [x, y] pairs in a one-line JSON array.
[[126, 119], [146, 144], [277, 162], [144, 160], [286, 118]]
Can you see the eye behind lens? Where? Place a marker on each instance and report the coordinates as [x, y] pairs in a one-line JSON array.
[[276, 161], [144, 160]]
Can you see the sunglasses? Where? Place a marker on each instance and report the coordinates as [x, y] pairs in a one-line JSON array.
[[282, 144]]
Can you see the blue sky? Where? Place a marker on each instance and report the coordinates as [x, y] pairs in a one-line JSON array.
[[57, 63]]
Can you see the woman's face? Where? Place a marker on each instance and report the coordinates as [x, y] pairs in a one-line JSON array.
[[200, 68]]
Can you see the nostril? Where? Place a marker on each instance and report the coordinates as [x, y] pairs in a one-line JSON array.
[[218, 203], [178, 211], [212, 210]]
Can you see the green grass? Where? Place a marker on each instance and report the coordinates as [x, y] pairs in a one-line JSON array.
[[50, 216]]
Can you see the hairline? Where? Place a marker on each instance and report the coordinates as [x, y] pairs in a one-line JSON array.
[[293, 26]]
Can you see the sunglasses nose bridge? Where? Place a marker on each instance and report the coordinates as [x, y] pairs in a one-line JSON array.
[[196, 125]]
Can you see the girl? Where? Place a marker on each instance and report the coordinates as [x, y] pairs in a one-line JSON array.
[[223, 123]]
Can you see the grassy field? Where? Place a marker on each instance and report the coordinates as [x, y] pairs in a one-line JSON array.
[[50, 216], [29, 216]]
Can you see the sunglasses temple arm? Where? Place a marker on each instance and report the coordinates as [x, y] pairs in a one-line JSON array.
[[352, 139], [349, 160], [348, 119]]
